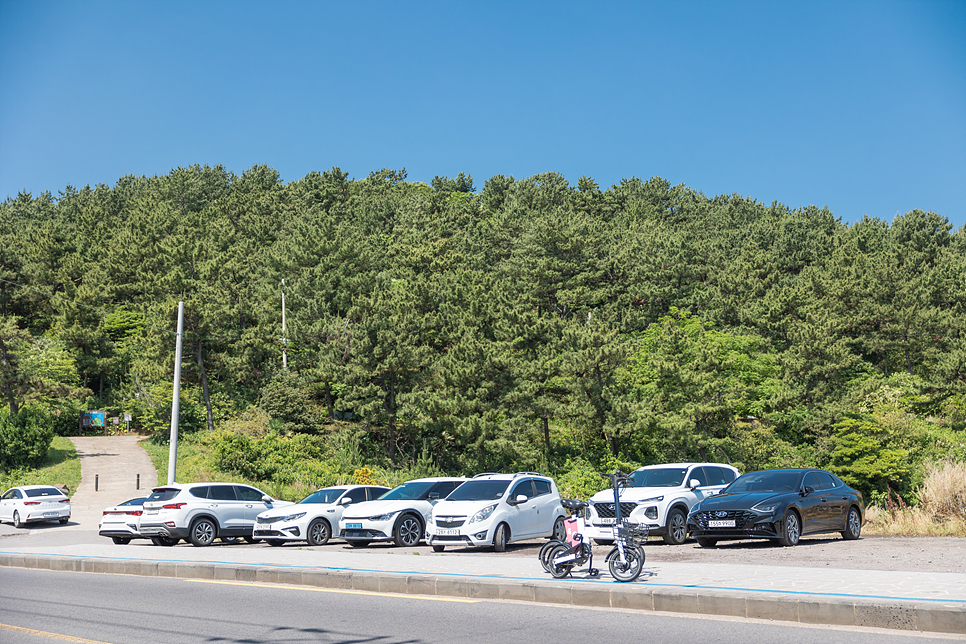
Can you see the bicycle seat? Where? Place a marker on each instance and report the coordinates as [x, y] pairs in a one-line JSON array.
[[574, 505]]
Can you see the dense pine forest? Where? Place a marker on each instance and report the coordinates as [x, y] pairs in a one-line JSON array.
[[526, 325]]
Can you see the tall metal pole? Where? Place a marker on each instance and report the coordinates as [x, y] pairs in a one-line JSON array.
[[284, 357], [176, 399]]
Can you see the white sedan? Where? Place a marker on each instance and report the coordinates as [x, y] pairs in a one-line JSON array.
[[31, 503], [314, 518]]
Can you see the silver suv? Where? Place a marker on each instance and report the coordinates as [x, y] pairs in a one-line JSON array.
[[202, 512]]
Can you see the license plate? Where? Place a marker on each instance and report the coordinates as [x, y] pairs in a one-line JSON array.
[[51, 514], [447, 531], [150, 511], [353, 526], [608, 521], [722, 524]]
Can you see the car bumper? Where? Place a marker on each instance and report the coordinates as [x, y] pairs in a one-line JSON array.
[[46, 515], [606, 532], [481, 536], [161, 530], [279, 532]]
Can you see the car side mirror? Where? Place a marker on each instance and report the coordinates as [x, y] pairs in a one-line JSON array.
[[345, 501], [521, 498], [694, 483], [808, 490], [267, 499], [433, 496]]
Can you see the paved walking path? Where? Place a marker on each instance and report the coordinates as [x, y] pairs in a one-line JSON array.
[[112, 467]]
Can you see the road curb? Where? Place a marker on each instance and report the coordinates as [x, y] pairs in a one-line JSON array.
[[907, 615]]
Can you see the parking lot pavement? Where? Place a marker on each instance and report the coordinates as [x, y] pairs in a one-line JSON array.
[[906, 600]]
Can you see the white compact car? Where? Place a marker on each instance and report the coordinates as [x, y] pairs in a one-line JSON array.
[[120, 522], [33, 503], [661, 498], [497, 509], [400, 515], [202, 512], [313, 518]]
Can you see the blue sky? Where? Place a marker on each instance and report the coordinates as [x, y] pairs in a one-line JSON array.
[[857, 106]]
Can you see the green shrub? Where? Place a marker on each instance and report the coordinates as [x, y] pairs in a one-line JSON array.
[[24, 438]]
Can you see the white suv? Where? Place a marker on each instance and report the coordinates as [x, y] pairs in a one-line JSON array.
[[202, 512], [660, 498], [497, 509], [314, 518], [399, 515]]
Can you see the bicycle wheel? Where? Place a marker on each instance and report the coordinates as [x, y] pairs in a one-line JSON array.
[[629, 571], [559, 571], [545, 550]]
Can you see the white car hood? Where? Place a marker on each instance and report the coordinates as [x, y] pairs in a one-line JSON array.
[[634, 494], [293, 508], [461, 508], [375, 508]]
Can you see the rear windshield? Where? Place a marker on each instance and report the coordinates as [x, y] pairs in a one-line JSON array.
[[479, 491], [661, 477], [328, 495], [163, 494], [44, 491]]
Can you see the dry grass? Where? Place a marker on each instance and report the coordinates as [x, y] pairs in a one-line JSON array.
[[941, 511]]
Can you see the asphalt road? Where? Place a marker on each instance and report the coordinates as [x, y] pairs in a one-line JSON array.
[[37, 606]]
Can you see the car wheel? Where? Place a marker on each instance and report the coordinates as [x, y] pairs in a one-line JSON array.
[[252, 540], [704, 542], [64, 520], [202, 533], [274, 542], [408, 531], [677, 528], [853, 525], [319, 533], [359, 543], [230, 539], [500, 538], [16, 520], [559, 530], [439, 548], [121, 541], [164, 541], [791, 529]]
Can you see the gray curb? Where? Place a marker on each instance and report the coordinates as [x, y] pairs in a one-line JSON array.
[[937, 617]]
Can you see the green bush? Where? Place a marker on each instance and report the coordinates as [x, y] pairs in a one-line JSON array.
[[24, 438]]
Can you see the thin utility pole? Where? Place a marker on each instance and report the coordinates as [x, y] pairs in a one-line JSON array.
[[284, 341], [176, 400]]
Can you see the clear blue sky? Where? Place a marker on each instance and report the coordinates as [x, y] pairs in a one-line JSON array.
[[858, 106]]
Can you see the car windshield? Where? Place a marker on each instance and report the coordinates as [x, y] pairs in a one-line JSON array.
[[408, 491], [774, 481], [44, 491], [660, 477], [479, 491], [328, 495]]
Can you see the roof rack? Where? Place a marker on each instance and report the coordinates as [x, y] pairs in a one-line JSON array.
[[486, 474], [527, 474]]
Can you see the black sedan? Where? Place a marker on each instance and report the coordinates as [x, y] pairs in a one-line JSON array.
[[781, 505]]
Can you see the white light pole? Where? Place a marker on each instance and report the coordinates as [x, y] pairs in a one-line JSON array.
[[176, 400], [284, 356]]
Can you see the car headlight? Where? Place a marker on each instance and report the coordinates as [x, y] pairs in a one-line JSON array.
[[384, 517], [655, 499], [290, 517], [483, 514], [767, 507]]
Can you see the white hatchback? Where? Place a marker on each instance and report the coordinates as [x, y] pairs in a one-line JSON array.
[[400, 515], [497, 509], [660, 498], [314, 518]]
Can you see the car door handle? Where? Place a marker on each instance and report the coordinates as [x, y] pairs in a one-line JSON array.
[[249, 505]]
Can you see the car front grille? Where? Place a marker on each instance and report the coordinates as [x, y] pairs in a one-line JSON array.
[[265, 520], [450, 522], [741, 517], [606, 510]]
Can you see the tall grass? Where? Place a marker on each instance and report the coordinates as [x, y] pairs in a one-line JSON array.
[[61, 465], [941, 510]]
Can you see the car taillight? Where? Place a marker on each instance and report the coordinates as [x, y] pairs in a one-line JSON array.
[[65, 500], [31, 502], [173, 506], [134, 513]]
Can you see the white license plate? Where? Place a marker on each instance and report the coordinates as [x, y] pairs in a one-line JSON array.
[[608, 521], [353, 526], [447, 531], [51, 514], [151, 511], [730, 523]]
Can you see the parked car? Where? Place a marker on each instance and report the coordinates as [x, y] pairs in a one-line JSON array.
[[33, 503], [781, 505], [400, 515], [314, 518], [660, 498], [497, 509], [202, 512], [120, 522]]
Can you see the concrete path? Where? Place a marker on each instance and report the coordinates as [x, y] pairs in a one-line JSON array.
[[112, 467]]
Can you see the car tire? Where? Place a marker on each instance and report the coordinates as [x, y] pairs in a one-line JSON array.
[[252, 540], [500, 537], [408, 531], [439, 548], [230, 539], [704, 542], [318, 533], [677, 528], [121, 541], [164, 541], [853, 525], [16, 520], [203, 532], [64, 520], [275, 543], [791, 529], [559, 530], [359, 543]]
